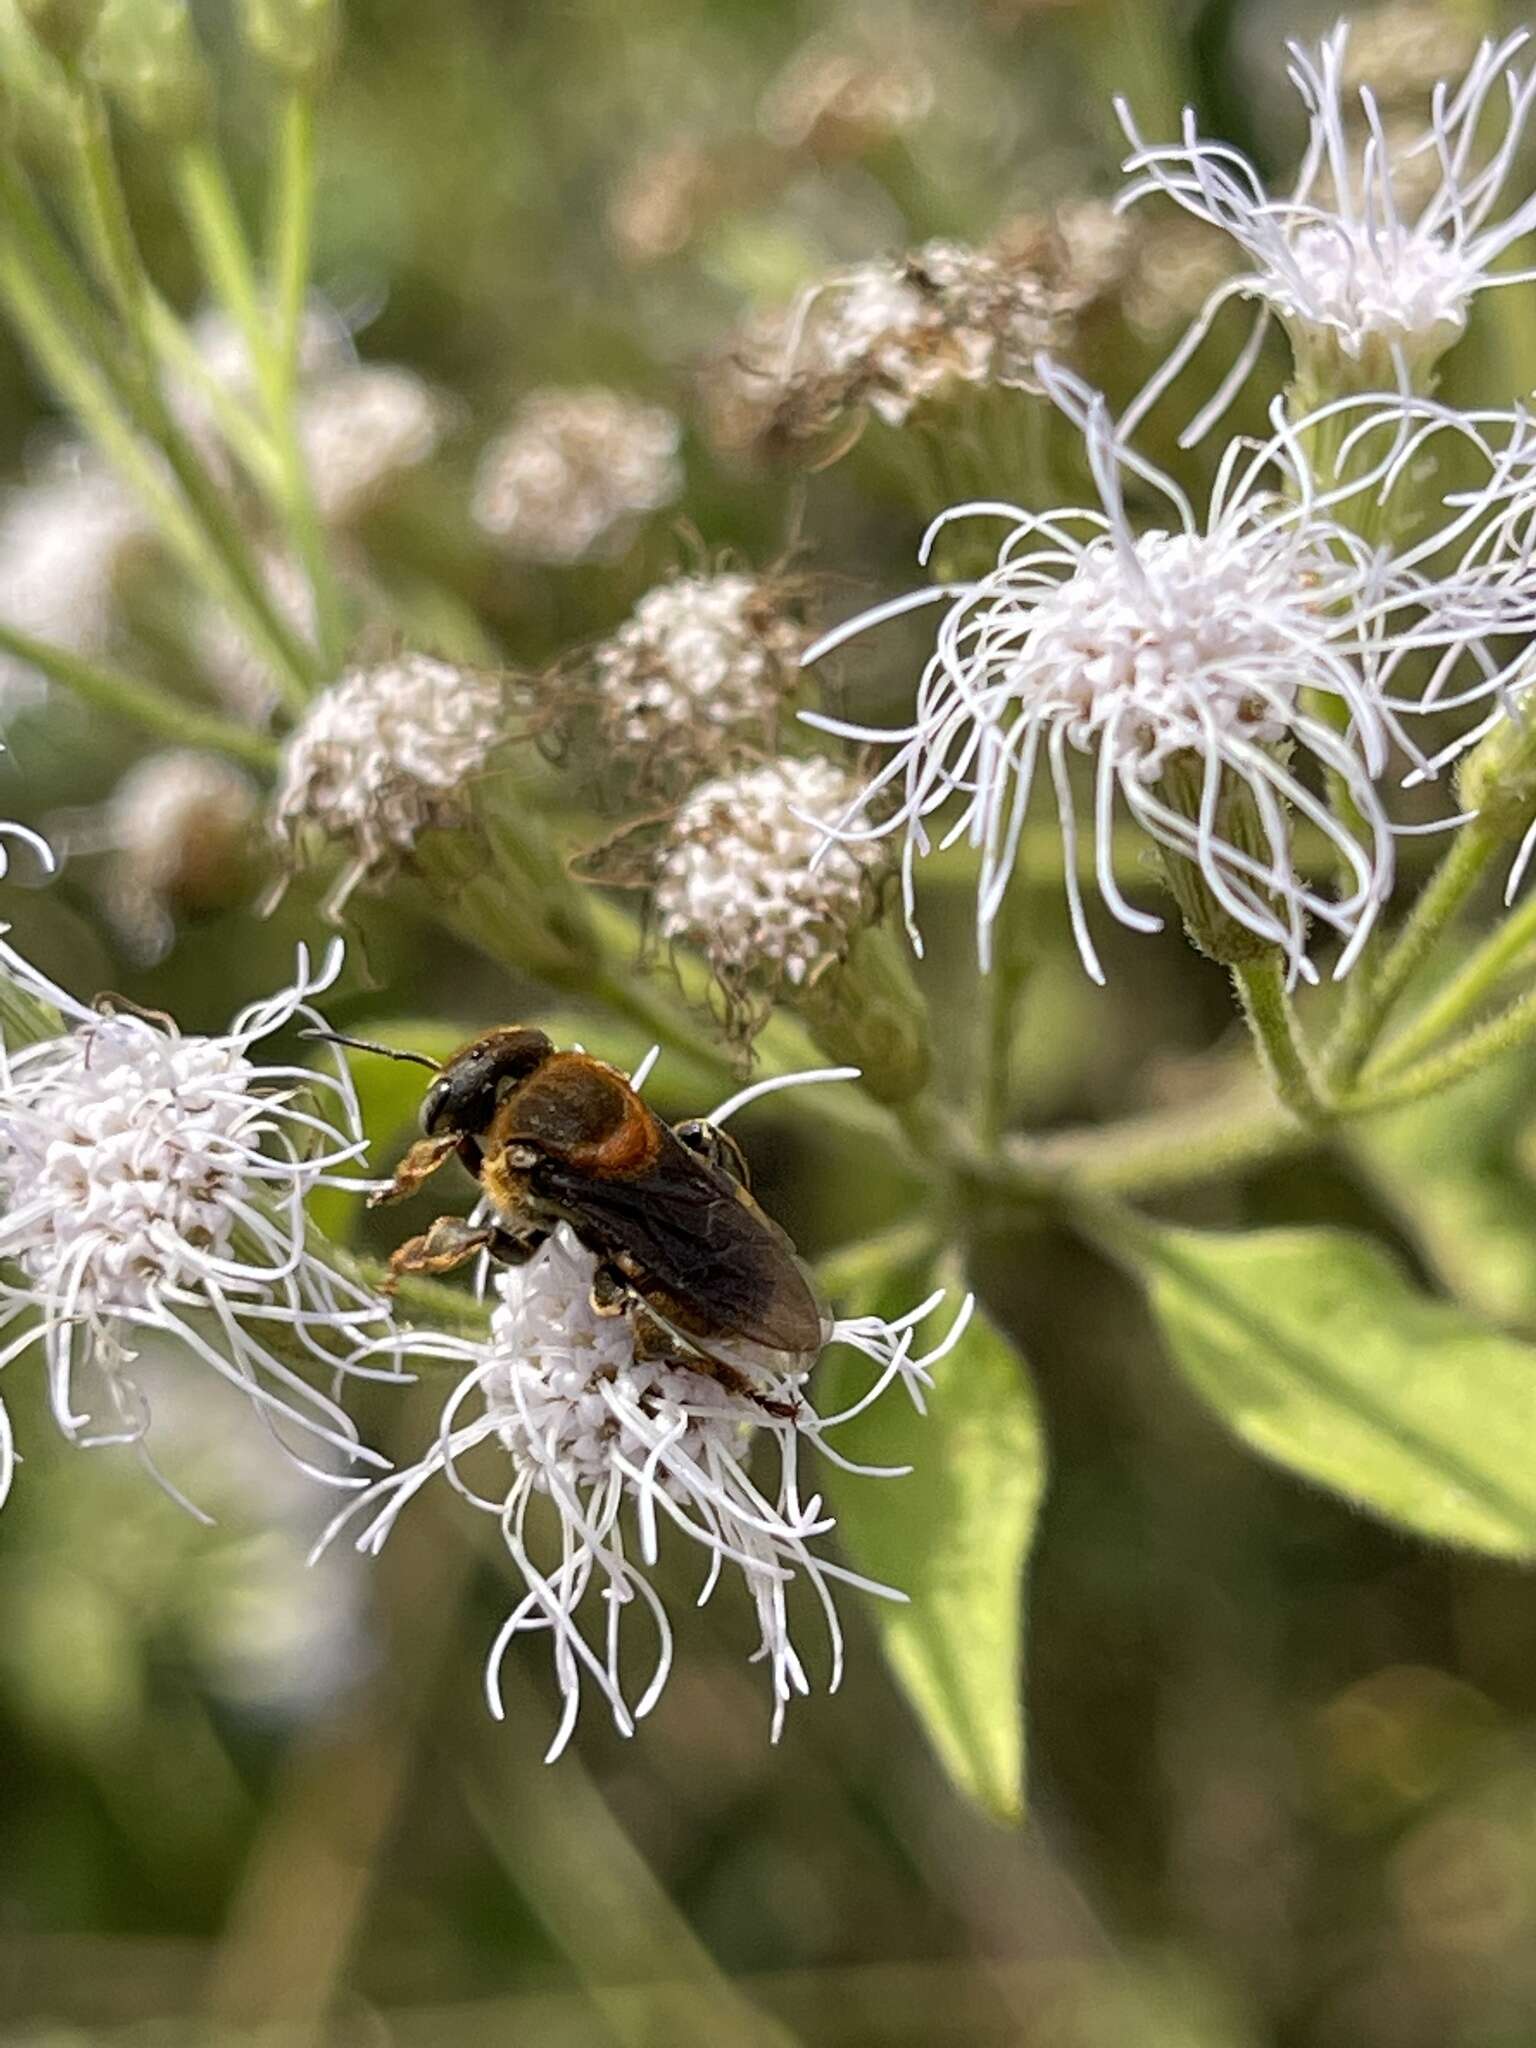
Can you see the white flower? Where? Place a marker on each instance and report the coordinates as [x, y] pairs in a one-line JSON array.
[[739, 875], [1182, 664], [606, 1448], [1369, 291], [386, 754], [63, 537], [573, 474], [155, 1181], [223, 367], [701, 666], [362, 427]]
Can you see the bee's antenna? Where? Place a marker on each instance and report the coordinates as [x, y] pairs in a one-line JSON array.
[[390, 1052]]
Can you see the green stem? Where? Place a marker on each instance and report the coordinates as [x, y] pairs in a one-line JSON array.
[[1267, 1008], [110, 238], [1476, 977], [124, 696], [62, 326], [1162, 1150], [1374, 990], [216, 228], [1513, 1027]]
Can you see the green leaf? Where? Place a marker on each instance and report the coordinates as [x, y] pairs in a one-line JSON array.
[[954, 1534], [1319, 1352], [1450, 1169]]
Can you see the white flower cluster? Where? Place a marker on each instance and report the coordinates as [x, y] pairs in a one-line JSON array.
[[155, 1181], [1234, 642], [386, 754], [700, 668], [607, 1448], [575, 472], [1371, 281], [745, 874]]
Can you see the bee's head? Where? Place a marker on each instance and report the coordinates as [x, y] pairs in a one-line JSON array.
[[474, 1083]]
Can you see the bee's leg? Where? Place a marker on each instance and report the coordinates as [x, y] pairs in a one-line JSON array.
[[450, 1241], [654, 1341], [515, 1245], [418, 1165], [611, 1294]]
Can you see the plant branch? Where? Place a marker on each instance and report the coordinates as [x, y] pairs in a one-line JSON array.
[[1261, 989]]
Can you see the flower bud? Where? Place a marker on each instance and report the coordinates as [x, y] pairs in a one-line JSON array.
[[297, 38], [146, 55], [180, 831], [1212, 928]]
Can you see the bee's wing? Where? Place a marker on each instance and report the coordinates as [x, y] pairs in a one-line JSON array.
[[697, 1247]]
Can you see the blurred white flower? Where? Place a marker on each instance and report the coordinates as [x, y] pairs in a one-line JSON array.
[[224, 362], [1371, 289], [177, 834], [156, 1181], [744, 874], [574, 473], [360, 428], [386, 754], [605, 1447], [63, 537], [1190, 666]]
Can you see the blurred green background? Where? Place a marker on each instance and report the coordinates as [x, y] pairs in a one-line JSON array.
[[1283, 1762]]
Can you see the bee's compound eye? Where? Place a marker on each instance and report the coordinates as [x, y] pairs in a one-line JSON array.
[[433, 1104]]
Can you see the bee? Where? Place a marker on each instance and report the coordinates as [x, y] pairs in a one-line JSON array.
[[666, 1209]]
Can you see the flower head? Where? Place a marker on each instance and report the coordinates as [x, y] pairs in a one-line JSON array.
[[361, 428], [575, 472], [63, 538], [155, 1181], [608, 1442], [746, 876], [696, 673], [888, 337], [386, 754], [1370, 287], [1180, 665]]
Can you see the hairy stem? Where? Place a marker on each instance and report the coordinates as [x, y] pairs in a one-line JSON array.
[[1261, 989], [1376, 988]]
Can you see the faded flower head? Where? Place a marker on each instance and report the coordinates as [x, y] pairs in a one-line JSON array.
[[63, 539], [1180, 666], [179, 831], [362, 427], [609, 1444], [888, 338], [155, 1181], [698, 671], [575, 472], [745, 875], [1372, 285], [386, 754]]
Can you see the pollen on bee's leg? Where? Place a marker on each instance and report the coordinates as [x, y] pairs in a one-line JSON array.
[[450, 1241], [418, 1166], [609, 1295]]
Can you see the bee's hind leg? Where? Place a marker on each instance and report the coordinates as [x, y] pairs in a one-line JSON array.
[[611, 1293]]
